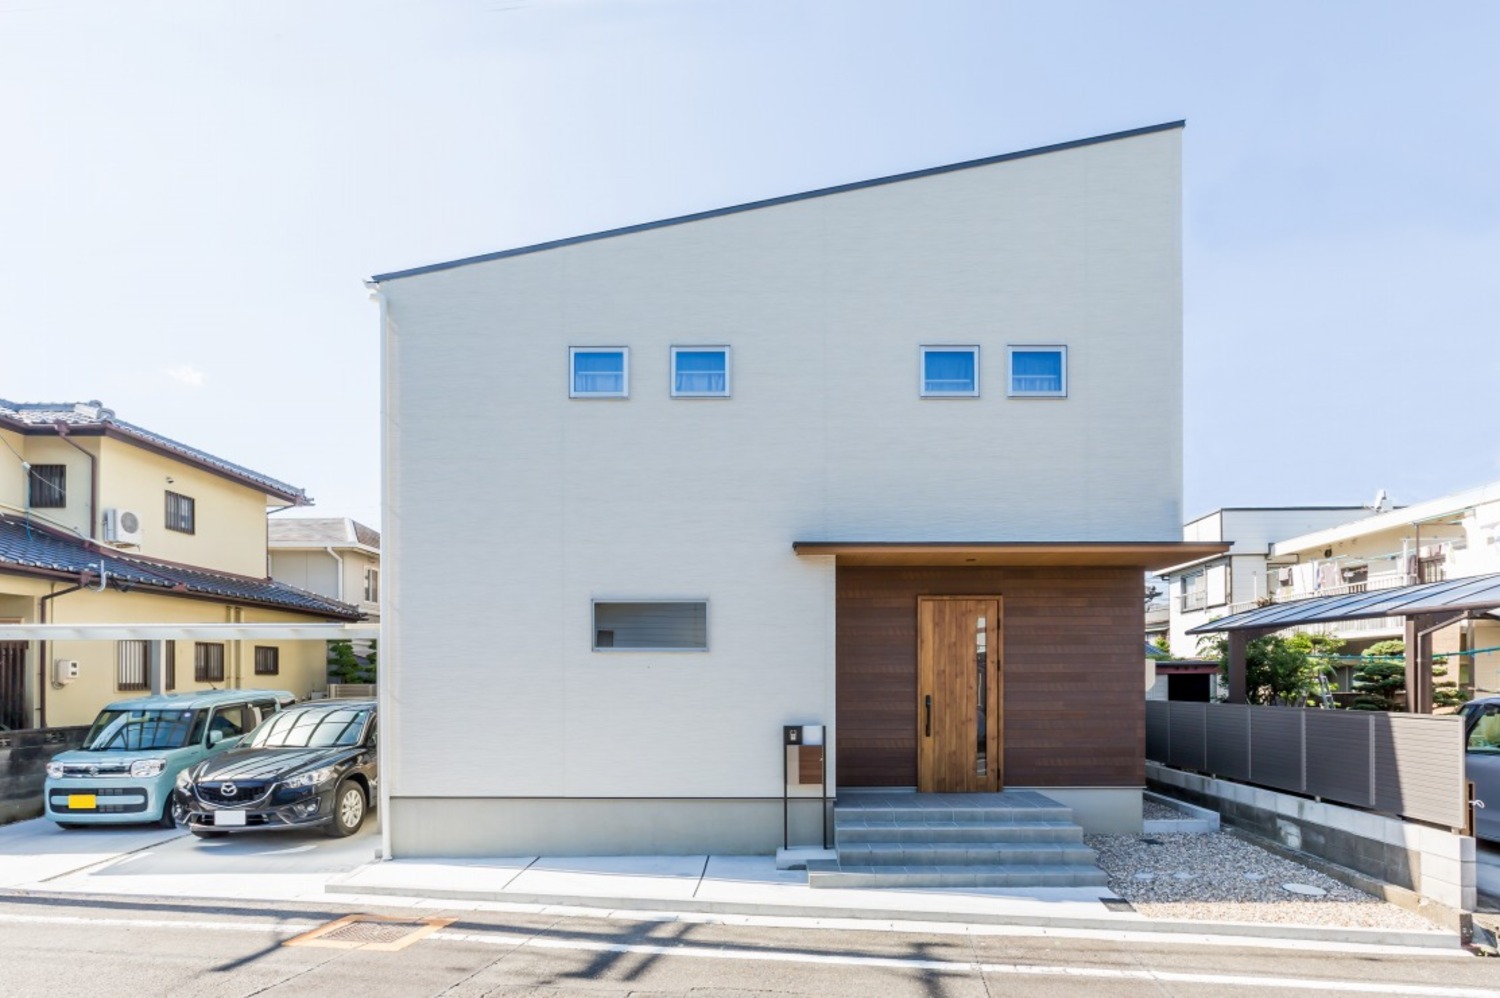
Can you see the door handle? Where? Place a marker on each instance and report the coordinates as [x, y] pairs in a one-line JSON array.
[[928, 730]]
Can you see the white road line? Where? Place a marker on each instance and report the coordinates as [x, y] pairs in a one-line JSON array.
[[948, 966], [290, 928], [284, 852]]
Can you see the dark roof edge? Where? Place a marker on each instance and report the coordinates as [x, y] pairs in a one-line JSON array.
[[770, 202]]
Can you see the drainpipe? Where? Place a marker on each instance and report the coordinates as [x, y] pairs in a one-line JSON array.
[[340, 563], [42, 679], [62, 433]]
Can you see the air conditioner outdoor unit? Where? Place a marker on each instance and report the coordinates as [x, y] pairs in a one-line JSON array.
[[64, 671], [121, 526]]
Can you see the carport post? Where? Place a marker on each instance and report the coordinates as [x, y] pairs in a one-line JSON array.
[[1238, 642], [1418, 653], [156, 657]]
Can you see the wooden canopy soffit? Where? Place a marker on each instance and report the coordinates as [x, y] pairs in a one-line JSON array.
[[1145, 555]]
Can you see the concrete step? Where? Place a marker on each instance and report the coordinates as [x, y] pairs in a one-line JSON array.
[[996, 815], [850, 832], [1037, 875], [996, 854]]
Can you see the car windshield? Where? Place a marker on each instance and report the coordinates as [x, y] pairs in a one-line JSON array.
[[311, 728], [1485, 735], [137, 730]]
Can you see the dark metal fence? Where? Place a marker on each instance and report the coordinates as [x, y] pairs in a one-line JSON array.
[[1406, 764], [23, 767]]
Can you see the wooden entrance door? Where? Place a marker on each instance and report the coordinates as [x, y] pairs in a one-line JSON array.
[[959, 743]]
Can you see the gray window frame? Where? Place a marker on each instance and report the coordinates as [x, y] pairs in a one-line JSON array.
[[624, 392], [192, 513], [1010, 369], [925, 349]]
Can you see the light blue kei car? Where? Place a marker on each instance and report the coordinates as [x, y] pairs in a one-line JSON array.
[[125, 771]]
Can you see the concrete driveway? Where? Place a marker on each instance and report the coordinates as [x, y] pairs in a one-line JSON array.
[[37, 855]]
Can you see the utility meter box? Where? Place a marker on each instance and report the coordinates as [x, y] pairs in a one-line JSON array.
[[64, 671]]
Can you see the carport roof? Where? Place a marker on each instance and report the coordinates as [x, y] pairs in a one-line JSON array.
[[1479, 594]]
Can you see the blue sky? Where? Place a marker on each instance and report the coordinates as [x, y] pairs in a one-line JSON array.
[[192, 193]]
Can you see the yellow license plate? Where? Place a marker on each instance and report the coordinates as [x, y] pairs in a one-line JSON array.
[[81, 802]]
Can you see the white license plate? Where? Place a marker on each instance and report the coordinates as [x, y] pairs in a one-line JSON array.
[[225, 818]]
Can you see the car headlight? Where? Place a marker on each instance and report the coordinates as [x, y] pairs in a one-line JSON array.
[[147, 767], [309, 779], [184, 779], [54, 770]]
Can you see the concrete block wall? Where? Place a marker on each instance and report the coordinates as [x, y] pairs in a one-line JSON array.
[[1435, 863]]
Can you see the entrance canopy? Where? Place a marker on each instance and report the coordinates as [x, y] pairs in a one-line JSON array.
[[1146, 555]]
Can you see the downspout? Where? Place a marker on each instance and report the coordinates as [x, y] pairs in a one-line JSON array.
[[340, 563], [42, 679], [62, 433]]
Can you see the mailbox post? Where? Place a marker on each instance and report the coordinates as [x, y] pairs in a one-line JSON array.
[[812, 760]]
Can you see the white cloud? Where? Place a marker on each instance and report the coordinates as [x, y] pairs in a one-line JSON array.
[[190, 376]]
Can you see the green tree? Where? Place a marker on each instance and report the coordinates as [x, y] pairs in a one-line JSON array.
[[1279, 670], [345, 667], [1381, 679]]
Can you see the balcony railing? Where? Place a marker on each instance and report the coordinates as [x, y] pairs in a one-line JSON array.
[[1383, 580], [1197, 599]]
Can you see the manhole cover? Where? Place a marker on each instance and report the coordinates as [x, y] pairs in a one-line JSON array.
[[375, 932], [1306, 890]]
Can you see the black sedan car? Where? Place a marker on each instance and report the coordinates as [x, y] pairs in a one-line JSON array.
[[309, 765]]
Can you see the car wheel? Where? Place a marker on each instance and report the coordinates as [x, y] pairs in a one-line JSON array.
[[208, 833], [348, 810], [168, 817]]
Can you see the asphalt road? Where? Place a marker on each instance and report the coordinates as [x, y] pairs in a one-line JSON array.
[[57, 946]]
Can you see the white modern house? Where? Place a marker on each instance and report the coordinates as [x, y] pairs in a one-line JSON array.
[[888, 458]]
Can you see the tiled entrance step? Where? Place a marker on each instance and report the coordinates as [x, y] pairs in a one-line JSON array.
[[1010, 839]]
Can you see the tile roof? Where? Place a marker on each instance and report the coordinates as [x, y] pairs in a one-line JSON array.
[[45, 415], [31, 546], [291, 531]]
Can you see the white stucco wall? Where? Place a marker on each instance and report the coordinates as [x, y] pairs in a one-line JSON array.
[[509, 506]]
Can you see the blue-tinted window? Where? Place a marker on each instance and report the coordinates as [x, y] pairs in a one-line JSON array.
[[598, 372], [950, 371], [701, 372], [1039, 371]]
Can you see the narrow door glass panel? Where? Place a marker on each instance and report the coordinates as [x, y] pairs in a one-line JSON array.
[[981, 656]]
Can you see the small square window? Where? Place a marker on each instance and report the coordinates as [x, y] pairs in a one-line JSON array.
[[49, 486], [1039, 372], [598, 372], [372, 585], [700, 372], [181, 513], [208, 662], [950, 372], [267, 660]]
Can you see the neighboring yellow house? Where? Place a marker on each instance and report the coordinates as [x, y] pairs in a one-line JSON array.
[[105, 522]]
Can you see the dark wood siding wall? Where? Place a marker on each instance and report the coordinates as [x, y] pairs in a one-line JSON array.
[[1074, 672]]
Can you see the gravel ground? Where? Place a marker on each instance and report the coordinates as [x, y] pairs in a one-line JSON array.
[[1156, 811], [1218, 877]]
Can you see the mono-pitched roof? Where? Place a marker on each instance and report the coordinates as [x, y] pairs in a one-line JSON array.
[[1479, 594], [321, 531], [770, 202], [30, 548], [92, 418]]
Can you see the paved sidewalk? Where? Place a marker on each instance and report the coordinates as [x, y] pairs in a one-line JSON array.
[[752, 886], [36, 857]]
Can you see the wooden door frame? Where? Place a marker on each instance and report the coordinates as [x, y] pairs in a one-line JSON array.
[[994, 701]]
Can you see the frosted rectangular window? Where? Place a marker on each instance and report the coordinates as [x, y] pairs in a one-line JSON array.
[[700, 372], [1039, 371], [651, 626], [598, 372], [951, 372]]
